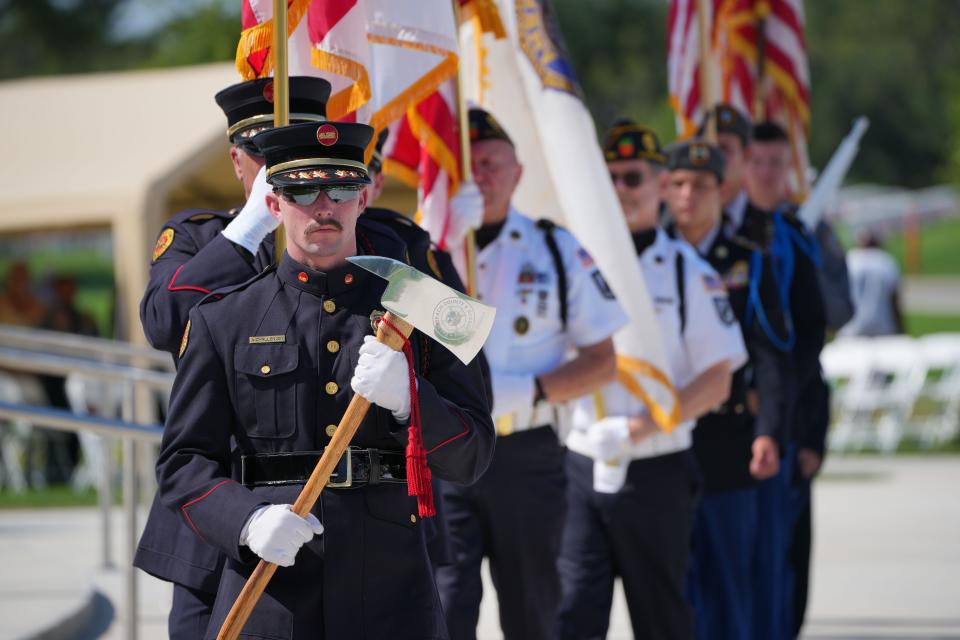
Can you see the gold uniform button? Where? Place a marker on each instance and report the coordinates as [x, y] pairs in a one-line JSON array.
[[265, 369], [331, 429], [332, 388], [329, 306], [413, 519], [333, 346]]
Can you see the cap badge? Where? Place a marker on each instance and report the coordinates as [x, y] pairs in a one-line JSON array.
[[649, 143], [327, 135], [699, 154], [625, 148], [268, 92]]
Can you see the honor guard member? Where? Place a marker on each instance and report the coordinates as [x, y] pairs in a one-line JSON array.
[[739, 443], [264, 379], [550, 300], [633, 489], [733, 137], [771, 220], [199, 251]]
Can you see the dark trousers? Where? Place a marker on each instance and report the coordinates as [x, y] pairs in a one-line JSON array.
[[642, 534], [514, 515], [190, 613], [772, 579], [799, 559], [721, 569]]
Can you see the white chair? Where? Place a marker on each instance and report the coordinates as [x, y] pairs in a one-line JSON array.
[[89, 396], [936, 418], [846, 366], [14, 438]]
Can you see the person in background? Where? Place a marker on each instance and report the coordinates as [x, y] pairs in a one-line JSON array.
[[875, 284], [19, 305]]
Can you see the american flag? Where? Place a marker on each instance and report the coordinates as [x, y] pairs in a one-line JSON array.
[[758, 61]]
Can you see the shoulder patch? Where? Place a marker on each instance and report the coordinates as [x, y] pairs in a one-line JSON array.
[[712, 283], [163, 243], [602, 285], [183, 341], [585, 259], [724, 310]]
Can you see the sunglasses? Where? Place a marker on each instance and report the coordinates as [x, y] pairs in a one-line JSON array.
[[250, 149], [631, 179], [304, 196]]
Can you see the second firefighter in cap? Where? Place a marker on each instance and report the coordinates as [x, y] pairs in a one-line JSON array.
[[199, 251], [266, 372], [632, 488], [551, 302]]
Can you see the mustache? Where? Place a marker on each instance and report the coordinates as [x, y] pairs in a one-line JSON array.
[[316, 226]]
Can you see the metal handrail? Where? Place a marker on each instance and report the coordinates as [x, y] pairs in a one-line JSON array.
[[57, 342], [132, 367], [67, 421], [42, 363]]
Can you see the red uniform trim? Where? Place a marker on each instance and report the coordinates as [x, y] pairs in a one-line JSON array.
[[466, 431], [183, 509], [171, 287]]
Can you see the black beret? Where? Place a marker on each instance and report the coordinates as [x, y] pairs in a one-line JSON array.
[[311, 153], [249, 105], [484, 126], [769, 132], [696, 155], [730, 120], [627, 140]]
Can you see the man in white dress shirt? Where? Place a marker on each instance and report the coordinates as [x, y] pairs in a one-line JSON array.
[[551, 343], [633, 488]]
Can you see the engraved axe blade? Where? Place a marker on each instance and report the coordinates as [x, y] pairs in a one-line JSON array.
[[455, 320]]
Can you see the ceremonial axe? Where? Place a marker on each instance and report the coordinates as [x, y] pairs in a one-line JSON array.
[[413, 301]]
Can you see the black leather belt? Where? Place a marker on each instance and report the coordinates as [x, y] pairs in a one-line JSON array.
[[356, 467]]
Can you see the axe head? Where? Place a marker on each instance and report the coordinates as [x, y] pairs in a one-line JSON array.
[[453, 319]]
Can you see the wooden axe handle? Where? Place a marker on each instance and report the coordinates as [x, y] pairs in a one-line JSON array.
[[257, 582]]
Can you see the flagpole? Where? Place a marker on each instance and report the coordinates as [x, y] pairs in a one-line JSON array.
[[466, 173], [281, 92], [707, 98], [760, 90]]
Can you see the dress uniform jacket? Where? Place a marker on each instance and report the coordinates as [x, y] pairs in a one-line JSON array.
[[268, 367], [723, 438], [192, 259]]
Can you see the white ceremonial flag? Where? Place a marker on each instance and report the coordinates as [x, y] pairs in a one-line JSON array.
[[526, 81]]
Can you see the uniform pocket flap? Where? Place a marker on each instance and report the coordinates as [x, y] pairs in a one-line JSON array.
[[266, 361]]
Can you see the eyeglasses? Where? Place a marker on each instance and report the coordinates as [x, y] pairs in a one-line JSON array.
[[305, 196], [250, 149], [630, 179]]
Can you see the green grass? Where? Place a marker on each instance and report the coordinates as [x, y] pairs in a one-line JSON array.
[[919, 324], [57, 496]]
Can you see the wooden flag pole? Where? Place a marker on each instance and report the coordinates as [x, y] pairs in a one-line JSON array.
[[281, 94], [708, 100], [466, 173]]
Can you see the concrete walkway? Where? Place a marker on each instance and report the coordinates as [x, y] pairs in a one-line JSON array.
[[887, 562]]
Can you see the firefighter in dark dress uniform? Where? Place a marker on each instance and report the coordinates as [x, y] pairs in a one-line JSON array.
[[199, 251], [267, 366]]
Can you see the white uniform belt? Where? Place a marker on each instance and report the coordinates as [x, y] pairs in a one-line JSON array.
[[659, 444], [543, 414]]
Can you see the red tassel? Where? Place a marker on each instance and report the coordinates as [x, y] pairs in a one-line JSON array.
[[418, 471]]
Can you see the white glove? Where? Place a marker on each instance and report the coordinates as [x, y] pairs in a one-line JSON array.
[[466, 209], [275, 533], [609, 438], [512, 392], [254, 222], [383, 378]]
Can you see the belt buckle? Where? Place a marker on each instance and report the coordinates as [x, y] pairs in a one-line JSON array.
[[346, 459]]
